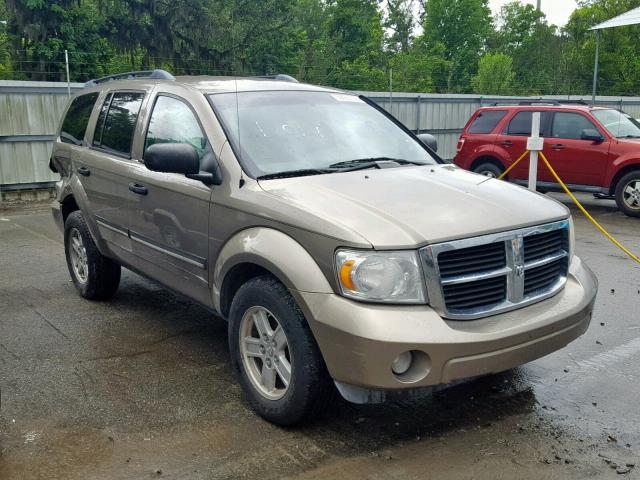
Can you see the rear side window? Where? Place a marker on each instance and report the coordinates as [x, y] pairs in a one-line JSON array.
[[77, 118], [486, 121], [570, 125], [520, 124], [117, 121]]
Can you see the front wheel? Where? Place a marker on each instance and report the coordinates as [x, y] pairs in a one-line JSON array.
[[488, 169], [628, 194], [274, 354]]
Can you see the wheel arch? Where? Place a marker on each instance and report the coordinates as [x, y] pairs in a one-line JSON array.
[[487, 159], [621, 173], [258, 251], [67, 206]]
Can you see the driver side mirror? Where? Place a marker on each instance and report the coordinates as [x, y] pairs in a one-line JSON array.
[[172, 158], [429, 140], [591, 134]]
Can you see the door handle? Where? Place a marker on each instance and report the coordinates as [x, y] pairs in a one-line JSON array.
[[507, 143], [84, 171], [557, 146], [137, 188]]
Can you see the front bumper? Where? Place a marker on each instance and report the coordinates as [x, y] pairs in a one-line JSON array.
[[359, 341]]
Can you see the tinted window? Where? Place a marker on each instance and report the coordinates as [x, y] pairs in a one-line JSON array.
[[520, 124], [97, 135], [486, 121], [172, 121], [77, 118], [119, 122], [570, 125]]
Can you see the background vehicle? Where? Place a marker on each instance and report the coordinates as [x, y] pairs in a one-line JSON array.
[[338, 246], [593, 149]]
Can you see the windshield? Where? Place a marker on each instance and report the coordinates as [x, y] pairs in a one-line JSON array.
[[287, 131], [619, 124]]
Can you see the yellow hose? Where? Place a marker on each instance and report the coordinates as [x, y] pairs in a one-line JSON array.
[[504, 174], [584, 210]]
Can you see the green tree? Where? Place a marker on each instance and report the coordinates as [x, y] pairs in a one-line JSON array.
[[459, 29], [495, 75], [399, 22]]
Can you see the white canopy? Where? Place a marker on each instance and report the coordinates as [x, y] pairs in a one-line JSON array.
[[632, 17]]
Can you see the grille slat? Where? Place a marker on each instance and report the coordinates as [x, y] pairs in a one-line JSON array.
[[467, 261], [476, 294], [544, 244], [543, 277]]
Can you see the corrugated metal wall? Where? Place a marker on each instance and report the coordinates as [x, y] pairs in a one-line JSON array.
[[29, 116], [30, 112]]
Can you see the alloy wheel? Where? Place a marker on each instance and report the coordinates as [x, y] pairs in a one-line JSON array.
[[265, 352], [78, 254]]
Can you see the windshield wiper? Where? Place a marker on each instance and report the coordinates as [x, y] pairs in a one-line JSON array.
[[296, 173], [362, 163]]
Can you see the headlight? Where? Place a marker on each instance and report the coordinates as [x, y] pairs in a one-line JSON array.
[[394, 277]]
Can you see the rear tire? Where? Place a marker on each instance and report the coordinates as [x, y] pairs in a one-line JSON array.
[[488, 169], [95, 276], [283, 385], [628, 194]]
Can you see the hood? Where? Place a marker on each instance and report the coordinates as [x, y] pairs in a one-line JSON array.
[[404, 207]]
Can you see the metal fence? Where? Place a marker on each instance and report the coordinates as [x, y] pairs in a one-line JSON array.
[[30, 112]]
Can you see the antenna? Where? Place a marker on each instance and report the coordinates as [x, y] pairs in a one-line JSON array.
[[235, 82]]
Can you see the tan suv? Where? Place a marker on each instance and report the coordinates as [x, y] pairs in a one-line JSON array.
[[339, 247]]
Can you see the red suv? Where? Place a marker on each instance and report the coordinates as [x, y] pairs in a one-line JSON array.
[[592, 149]]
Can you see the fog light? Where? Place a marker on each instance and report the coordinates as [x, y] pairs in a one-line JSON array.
[[402, 363]]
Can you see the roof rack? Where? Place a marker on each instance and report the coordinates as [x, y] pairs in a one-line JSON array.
[[540, 102], [280, 76], [157, 74]]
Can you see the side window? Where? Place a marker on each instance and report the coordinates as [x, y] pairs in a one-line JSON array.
[[120, 113], [520, 124], [486, 121], [172, 121], [570, 125], [75, 122]]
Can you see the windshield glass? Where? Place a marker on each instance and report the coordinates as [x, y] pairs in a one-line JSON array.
[[283, 131], [619, 124]]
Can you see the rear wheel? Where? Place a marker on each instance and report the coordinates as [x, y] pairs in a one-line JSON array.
[[95, 276], [628, 194], [488, 169], [274, 354]]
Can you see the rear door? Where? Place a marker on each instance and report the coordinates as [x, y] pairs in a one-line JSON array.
[[105, 168], [170, 212], [577, 161], [513, 141]]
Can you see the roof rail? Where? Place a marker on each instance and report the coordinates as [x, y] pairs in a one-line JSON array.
[[280, 76], [540, 102], [157, 74]]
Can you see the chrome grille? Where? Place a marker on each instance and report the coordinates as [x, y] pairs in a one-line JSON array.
[[485, 275]]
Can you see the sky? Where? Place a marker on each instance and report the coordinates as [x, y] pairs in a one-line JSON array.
[[557, 11]]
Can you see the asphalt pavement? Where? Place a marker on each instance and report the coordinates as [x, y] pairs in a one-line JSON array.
[[140, 387]]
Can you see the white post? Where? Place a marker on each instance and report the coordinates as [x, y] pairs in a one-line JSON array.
[[66, 64], [534, 145]]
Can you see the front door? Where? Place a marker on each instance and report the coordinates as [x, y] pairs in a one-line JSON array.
[[170, 213], [577, 161]]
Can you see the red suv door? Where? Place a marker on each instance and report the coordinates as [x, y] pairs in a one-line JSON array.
[[577, 161], [512, 142]]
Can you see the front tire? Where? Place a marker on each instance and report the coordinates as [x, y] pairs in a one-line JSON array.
[[488, 169], [95, 276], [274, 354], [628, 194]]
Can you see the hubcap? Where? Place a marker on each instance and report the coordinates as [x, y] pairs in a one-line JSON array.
[[631, 194], [489, 174], [78, 255], [265, 353]]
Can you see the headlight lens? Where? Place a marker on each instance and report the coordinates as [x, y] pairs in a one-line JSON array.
[[393, 276]]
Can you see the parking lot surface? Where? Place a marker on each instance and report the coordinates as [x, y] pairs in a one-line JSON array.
[[140, 387]]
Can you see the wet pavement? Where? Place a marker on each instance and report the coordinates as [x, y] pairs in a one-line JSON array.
[[140, 387]]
